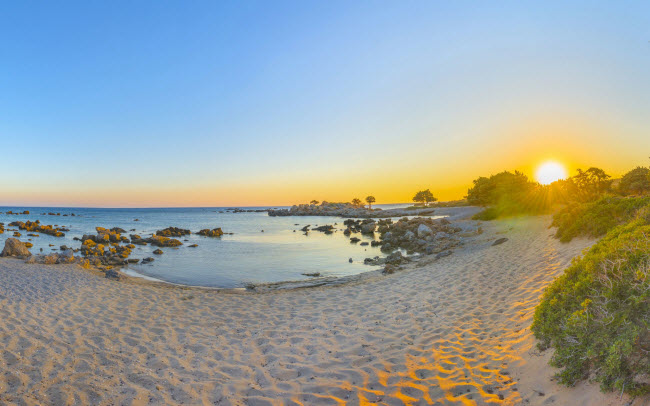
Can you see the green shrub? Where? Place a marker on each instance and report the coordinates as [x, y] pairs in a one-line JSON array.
[[596, 315], [595, 219], [636, 181]]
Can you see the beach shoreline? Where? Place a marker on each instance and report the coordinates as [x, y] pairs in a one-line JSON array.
[[453, 331]]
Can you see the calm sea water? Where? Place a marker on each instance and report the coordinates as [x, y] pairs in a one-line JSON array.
[[250, 255]]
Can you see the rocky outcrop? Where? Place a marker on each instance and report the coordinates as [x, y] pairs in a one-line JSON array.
[[348, 210], [423, 235], [36, 226], [14, 248]]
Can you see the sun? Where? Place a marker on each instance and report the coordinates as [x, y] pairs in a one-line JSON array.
[[549, 172]]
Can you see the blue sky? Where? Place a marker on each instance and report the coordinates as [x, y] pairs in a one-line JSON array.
[[209, 103]]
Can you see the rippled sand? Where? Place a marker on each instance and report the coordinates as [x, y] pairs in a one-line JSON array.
[[452, 331]]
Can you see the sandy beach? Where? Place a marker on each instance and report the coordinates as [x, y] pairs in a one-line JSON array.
[[448, 331]]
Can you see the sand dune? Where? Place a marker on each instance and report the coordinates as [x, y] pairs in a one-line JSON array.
[[451, 331]]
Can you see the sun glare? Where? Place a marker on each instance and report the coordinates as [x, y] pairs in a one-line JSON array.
[[549, 172]]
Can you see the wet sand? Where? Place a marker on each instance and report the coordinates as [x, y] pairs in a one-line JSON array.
[[447, 331]]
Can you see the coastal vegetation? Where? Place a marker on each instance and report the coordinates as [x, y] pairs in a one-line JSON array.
[[596, 316], [370, 200], [509, 194]]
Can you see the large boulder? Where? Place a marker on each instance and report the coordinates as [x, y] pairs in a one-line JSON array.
[[14, 248], [368, 228], [424, 231]]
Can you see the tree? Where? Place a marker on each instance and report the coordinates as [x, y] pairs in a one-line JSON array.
[[356, 202], [370, 200], [314, 202], [636, 181], [424, 197], [504, 185], [592, 183]]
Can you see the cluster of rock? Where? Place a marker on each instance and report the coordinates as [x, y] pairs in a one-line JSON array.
[[105, 249], [37, 227], [215, 232], [237, 210], [347, 210], [366, 226], [422, 235], [173, 232], [156, 240], [17, 214]]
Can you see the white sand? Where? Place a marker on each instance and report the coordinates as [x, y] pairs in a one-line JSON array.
[[453, 332]]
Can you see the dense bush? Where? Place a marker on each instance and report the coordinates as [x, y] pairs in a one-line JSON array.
[[596, 315], [636, 181], [595, 219]]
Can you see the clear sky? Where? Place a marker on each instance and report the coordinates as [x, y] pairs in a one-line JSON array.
[[190, 103]]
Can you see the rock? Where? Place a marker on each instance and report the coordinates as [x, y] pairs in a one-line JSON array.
[[375, 243], [364, 243], [160, 241], [368, 228], [171, 232], [350, 260], [328, 229], [389, 269], [442, 234], [388, 236], [65, 257], [215, 232], [409, 235], [158, 252], [443, 254], [147, 260], [133, 260], [112, 274], [314, 274], [354, 240], [14, 248], [374, 261], [193, 245], [424, 231], [499, 241], [396, 258]]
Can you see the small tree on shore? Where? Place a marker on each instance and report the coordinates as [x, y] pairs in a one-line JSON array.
[[314, 202], [425, 197], [356, 202], [370, 200]]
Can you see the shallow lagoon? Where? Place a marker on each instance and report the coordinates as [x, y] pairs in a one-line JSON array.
[[248, 256]]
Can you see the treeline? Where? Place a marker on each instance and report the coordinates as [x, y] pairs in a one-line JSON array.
[[507, 194]]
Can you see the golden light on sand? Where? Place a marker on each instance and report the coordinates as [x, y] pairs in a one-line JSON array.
[[549, 172]]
